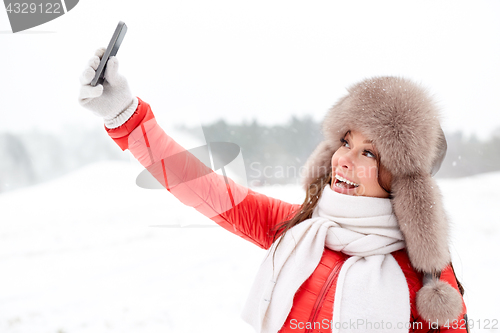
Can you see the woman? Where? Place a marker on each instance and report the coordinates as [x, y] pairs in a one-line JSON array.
[[368, 248]]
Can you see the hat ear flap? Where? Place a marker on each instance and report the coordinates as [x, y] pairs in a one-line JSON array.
[[318, 164], [418, 206]]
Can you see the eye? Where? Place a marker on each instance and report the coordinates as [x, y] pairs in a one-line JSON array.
[[344, 143], [369, 153]]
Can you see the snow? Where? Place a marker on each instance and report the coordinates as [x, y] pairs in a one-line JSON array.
[[92, 252]]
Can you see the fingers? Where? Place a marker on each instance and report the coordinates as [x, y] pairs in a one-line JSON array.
[[111, 74], [89, 72], [100, 52], [87, 93], [87, 76], [94, 62]]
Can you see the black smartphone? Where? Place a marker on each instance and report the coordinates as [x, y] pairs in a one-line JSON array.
[[111, 51]]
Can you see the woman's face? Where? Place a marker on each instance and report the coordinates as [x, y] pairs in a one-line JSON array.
[[354, 167]]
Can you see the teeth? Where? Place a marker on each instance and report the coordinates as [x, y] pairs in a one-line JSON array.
[[346, 181]]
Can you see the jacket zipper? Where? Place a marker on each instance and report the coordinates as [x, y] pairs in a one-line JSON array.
[[322, 294]]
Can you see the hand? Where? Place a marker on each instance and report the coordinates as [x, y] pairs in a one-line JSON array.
[[111, 100]]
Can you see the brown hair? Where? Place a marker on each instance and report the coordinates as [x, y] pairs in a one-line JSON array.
[[313, 193]]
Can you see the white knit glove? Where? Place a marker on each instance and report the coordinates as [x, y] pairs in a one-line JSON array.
[[111, 100]]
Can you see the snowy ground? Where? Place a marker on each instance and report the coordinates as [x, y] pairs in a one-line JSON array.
[[92, 252]]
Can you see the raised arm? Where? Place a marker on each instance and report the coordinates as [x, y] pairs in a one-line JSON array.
[[132, 125], [236, 208]]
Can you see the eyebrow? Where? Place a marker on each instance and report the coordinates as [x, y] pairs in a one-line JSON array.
[[349, 134]]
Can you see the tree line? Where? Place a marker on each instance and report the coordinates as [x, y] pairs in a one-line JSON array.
[[275, 154], [272, 154]]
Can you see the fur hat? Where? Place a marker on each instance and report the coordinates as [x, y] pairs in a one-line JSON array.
[[403, 123]]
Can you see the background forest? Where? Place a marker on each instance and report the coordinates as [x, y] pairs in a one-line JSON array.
[[272, 154]]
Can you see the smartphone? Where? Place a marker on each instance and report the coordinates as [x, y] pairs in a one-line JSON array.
[[111, 51]]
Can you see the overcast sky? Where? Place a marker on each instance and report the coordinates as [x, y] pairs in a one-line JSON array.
[[199, 61]]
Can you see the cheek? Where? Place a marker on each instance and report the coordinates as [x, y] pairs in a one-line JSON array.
[[334, 162], [367, 173], [372, 181], [368, 177], [339, 153]]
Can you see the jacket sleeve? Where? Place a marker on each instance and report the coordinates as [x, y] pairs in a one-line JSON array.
[[246, 213]]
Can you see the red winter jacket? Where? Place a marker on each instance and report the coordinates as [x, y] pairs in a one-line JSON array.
[[252, 216]]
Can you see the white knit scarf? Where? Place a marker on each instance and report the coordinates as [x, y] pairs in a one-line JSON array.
[[372, 292]]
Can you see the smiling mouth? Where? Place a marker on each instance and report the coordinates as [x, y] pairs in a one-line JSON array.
[[344, 183]]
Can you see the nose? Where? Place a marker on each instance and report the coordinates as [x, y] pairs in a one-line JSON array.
[[345, 161]]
